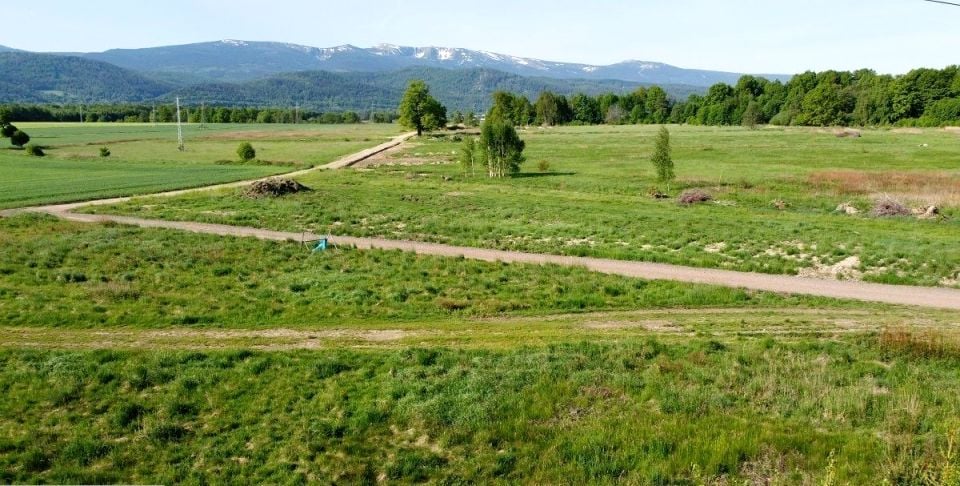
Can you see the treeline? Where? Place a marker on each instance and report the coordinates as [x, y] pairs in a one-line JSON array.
[[922, 97], [164, 113]]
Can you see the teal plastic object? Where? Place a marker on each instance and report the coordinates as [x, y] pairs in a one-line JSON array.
[[321, 245]]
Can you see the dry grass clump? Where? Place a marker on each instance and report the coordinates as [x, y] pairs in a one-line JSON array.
[[694, 196], [274, 187], [919, 184], [923, 343], [888, 206]]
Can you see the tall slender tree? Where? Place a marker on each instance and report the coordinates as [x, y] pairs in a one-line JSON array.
[[661, 158]]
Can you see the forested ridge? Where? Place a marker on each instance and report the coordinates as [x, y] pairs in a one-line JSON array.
[[60, 84], [922, 97]]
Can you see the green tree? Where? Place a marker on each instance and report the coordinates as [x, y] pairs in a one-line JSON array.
[[509, 107], [246, 152], [586, 109], [471, 119], [419, 110], [469, 154], [657, 105], [501, 148], [19, 138], [661, 158], [547, 109], [751, 116]]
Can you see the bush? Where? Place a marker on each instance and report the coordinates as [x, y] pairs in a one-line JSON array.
[[246, 152], [19, 138], [7, 130], [695, 196], [35, 150], [543, 166], [104, 152]]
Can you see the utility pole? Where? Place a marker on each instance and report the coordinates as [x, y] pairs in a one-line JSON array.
[[180, 146], [296, 114], [81, 112], [203, 122]]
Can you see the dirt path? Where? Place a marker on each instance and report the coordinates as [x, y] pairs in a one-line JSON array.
[[893, 294]]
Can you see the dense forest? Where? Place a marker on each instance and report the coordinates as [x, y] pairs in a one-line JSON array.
[[922, 97]]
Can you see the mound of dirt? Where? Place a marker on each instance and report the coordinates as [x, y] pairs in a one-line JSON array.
[[274, 187], [888, 206], [694, 196]]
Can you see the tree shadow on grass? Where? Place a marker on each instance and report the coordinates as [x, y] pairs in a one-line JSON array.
[[522, 175]]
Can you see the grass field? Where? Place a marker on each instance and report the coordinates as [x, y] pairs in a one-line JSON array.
[[594, 201], [134, 355], [155, 356], [144, 158]]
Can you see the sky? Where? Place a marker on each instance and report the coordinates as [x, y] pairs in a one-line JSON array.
[[750, 36]]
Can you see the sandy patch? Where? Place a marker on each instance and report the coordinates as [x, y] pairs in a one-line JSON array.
[[846, 269], [715, 247]]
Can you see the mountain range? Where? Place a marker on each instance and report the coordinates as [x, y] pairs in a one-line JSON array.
[[241, 73], [235, 60]]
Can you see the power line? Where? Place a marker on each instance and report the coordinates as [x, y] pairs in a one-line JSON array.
[[943, 2]]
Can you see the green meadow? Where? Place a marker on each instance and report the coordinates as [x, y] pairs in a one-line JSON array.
[[136, 355], [775, 194], [144, 158]]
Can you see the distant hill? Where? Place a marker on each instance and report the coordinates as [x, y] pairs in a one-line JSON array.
[[42, 78], [7, 49], [47, 78], [232, 60], [463, 89]]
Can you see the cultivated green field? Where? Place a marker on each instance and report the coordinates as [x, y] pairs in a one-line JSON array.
[[144, 158], [593, 201]]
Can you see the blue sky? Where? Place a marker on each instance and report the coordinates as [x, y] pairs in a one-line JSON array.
[[759, 36]]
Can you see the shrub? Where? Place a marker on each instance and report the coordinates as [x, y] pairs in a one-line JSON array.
[[104, 152], [7, 130], [35, 150], [543, 166], [19, 138], [695, 196], [246, 152]]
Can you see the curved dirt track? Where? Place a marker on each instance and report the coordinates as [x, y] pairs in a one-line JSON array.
[[892, 294], [933, 297]]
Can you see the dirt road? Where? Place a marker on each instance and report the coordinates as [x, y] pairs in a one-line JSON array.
[[893, 294]]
